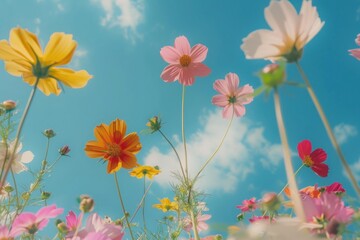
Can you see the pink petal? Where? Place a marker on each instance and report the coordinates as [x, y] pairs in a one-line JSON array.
[[198, 53], [186, 77], [233, 82], [170, 54], [318, 155], [182, 45], [228, 111], [239, 110], [355, 53], [244, 94], [202, 226], [48, 212], [43, 223], [170, 73], [357, 40], [21, 222], [199, 69], [221, 86], [220, 100], [304, 148], [320, 169]]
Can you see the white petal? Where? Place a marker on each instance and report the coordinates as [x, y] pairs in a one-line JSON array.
[[27, 157], [18, 167]]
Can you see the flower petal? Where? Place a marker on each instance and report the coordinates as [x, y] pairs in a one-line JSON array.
[[18, 67], [59, 49], [198, 53], [26, 43], [113, 166], [27, 157], [186, 77], [48, 86], [128, 160], [170, 54], [131, 143], [244, 94], [170, 73], [222, 87], [228, 111], [70, 78], [198, 69], [117, 130], [220, 100], [355, 53], [182, 45], [304, 149], [94, 150], [239, 110], [318, 155], [233, 82], [101, 133], [320, 169], [7, 53]]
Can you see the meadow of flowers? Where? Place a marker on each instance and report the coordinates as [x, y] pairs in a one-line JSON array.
[[293, 212]]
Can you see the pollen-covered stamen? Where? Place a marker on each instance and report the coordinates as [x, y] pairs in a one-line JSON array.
[[185, 60], [113, 150], [308, 161]]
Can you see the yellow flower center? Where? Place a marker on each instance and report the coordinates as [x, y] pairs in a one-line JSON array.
[[308, 161], [185, 60], [114, 150]]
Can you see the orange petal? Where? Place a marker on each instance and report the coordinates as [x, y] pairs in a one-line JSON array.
[[59, 49], [128, 160], [131, 143], [94, 150], [26, 43], [113, 166], [117, 130], [69, 77], [101, 133]]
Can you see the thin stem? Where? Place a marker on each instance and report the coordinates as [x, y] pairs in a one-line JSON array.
[[183, 131], [176, 153], [5, 157], [217, 149], [194, 223], [329, 130], [295, 174], [16, 189], [287, 159], [141, 202], [123, 207], [18, 133], [143, 205]]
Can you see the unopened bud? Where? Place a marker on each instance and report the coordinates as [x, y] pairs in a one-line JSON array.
[[154, 124], [45, 195], [9, 105], [240, 217], [64, 150], [273, 74], [86, 203], [25, 196], [271, 202], [61, 226], [49, 133], [8, 189]]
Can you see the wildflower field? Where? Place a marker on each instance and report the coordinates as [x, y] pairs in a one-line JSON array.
[[133, 119]]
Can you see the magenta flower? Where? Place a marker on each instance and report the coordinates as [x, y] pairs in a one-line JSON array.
[[184, 62], [98, 228], [327, 208], [335, 188], [201, 224], [313, 159], [356, 52], [231, 97], [31, 223], [248, 205], [72, 221]]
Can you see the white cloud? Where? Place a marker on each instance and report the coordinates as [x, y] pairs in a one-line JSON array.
[[243, 148], [344, 131], [355, 167], [79, 54], [37, 22], [126, 14]]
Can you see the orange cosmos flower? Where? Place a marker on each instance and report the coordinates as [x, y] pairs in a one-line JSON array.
[[114, 146]]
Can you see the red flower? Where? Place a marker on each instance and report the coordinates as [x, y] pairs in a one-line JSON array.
[[313, 159]]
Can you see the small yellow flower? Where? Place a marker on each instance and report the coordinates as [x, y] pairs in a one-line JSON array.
[[24, 57], [142, 171], [166, 205], [154, 124]]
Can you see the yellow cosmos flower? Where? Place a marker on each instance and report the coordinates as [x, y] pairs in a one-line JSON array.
[[142, 171], [24, 57], [166, 205]]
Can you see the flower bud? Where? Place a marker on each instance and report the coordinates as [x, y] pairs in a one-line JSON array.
[[45, 195], [49, 133], [9, 105], [154, 124], [271, 202], [64, 150], [86, 203], [61, 226], [273, 74], [25, 196], [8, 189]]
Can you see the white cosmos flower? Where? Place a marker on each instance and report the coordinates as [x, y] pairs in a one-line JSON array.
[[20, 158], [290, 32]]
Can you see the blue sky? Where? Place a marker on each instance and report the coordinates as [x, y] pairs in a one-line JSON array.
[[119, 43]]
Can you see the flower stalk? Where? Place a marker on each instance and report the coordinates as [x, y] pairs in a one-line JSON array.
[[183, 131]]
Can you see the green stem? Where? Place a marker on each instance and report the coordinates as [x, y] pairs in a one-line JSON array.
[[141, 202], [217, 149], [5, 158], [183, 131], [287, 158], [176, 153], [143, 205], [295, 174], [18, 133], [329, 130], [16, 189], [194, 223], [123, 207]]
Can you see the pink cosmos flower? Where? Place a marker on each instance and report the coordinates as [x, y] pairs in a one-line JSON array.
[[184, 62], [313, 159], [5, 234], [248, 205], [201, 225], [232, 97], [259, 218], [356, 52], [335, 188], [31, 223], [98, 228], [327, 208]]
